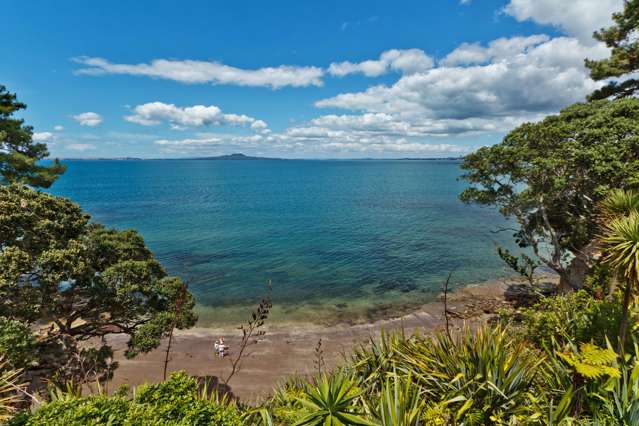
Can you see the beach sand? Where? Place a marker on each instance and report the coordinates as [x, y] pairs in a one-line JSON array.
[[288, 349]]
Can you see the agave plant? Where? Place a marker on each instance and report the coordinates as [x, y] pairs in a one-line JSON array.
[[330, 401], [620, 245]]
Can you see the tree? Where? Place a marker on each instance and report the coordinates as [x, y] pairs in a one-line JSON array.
[[620, 244], [622, 39], [75, 282], [19, 156], [549, 176]]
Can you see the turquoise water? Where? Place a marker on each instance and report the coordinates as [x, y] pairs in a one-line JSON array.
[[350, 240]]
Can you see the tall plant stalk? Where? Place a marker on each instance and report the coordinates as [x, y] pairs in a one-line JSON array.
[[179, 301]]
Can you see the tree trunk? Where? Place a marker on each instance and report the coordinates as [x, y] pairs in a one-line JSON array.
[[576, 272]]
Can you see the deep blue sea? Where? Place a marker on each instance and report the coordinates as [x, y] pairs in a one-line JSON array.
[[350, 240]]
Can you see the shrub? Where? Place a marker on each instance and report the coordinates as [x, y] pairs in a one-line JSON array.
[[174, 402], [576, 317], [17, 343]]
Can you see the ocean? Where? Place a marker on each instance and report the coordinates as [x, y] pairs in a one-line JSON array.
[[339, 240]]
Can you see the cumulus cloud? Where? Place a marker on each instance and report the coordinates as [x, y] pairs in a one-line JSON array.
[[190, 142], [497, 50], [406, 61], [42, 136], [80, 146], [476, 89], [576, 18], [193, 72], [310, 139], [154, 113], [90, 119], [543, 77], [58, 128]]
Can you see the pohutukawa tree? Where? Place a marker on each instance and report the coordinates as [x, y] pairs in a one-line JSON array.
[[549, 176], [19, 155], [623, 41], [75, 281]]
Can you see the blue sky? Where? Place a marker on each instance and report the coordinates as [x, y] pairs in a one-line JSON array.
[[296, 79]]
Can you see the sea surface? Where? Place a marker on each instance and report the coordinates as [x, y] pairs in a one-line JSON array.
[[339, 240]]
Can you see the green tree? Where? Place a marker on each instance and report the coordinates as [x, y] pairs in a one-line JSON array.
[[75, 281], [549, 176], [19, 155], [622, 39]]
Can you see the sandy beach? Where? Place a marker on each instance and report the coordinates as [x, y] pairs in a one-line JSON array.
[[288, 349]]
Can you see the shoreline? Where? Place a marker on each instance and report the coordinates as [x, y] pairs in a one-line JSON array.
[[330, 312], [288, 348]]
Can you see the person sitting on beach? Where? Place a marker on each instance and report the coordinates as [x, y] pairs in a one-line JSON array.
[[220, 347]]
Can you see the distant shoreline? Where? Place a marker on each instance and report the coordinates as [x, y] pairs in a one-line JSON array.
[[259, 159]]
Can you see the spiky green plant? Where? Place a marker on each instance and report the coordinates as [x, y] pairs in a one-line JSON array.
[[11, 390], [257, 416], [484, 375], [622, 397], [620, 202], [620, 244], [330, 401], [400, 402], [373, 362]]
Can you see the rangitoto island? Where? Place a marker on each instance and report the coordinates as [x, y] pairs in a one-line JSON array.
[[232, 157]]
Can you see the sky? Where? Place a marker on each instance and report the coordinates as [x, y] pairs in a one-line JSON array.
[[294, 79]]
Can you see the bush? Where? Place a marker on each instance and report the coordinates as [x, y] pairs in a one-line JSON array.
[[174, 402], [576, 317], [17, 343]]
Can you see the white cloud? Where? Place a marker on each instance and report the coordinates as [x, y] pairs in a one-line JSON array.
[[346, 134], [212, 143], [190, 71], [543, 78], [80, 146], [42, 136], [475, 90], [154, 113], [259, 125], [191, 142], [58, 128], [406, 61], [578, 18], [90, 119], [497, 50]]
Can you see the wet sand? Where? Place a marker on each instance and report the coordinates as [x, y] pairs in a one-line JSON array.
[[288, 349]]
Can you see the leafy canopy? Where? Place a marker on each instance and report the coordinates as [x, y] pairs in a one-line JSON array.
[[550, 175], [19, 156], [622, 39], [78, 280]]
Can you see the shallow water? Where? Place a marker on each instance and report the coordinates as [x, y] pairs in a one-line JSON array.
[[350, 240]]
